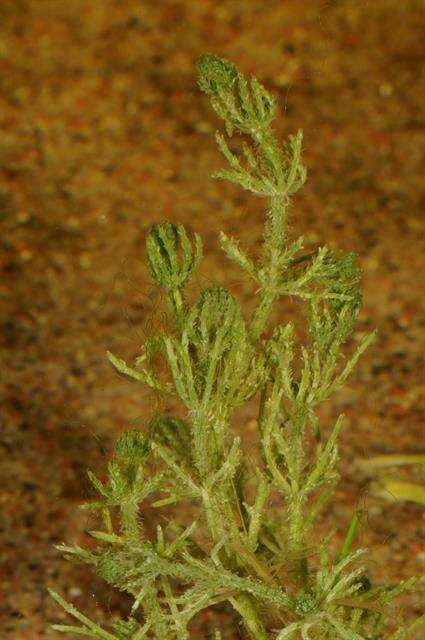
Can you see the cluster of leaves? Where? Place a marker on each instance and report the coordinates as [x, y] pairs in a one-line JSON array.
[[239, 548]]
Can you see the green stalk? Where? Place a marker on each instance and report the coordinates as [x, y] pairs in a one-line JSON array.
[[246, 607], [129, 511], [296, 539], [177, 304], [273, 240]]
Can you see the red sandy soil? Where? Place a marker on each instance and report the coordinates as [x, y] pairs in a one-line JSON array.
[[103, 132]]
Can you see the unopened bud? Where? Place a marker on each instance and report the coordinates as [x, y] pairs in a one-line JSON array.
[[172, 259]]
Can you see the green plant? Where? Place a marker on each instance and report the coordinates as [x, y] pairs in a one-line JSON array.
[[241, 547]]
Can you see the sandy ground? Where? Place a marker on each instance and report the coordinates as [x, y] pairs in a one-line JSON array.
[[103, 132]]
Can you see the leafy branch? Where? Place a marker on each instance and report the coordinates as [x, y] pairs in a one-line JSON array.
[[242, 546]]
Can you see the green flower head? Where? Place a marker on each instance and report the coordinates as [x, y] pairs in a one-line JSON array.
[[216, 75], [133, 446], [172, 258]]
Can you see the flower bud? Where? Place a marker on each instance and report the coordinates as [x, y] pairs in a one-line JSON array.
[[215, 75], [216, 324], [132, 447], [171, 257], [217, 308]]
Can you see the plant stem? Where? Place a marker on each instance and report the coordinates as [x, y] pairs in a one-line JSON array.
[[273, 239], [129, 512], [296, 539], [177, 304], [245, 606]]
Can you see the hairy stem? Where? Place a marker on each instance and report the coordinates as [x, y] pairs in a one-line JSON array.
[[273, 240], [246, 607]]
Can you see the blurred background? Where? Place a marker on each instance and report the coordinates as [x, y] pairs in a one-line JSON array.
[[104, 132]]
